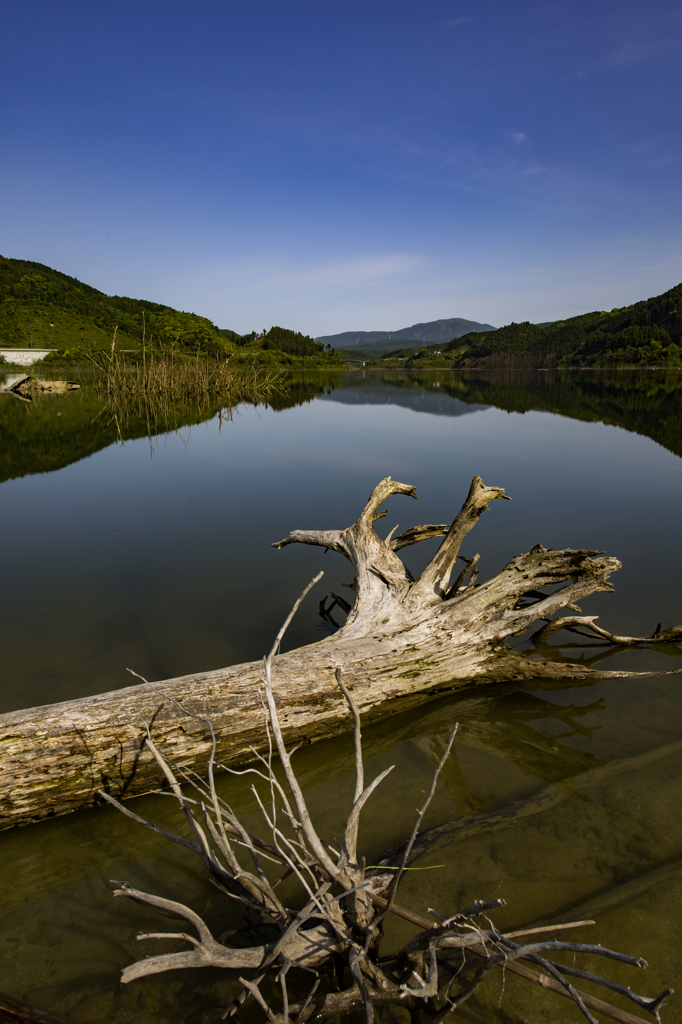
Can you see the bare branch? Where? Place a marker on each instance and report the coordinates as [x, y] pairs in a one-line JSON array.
[[385, 489], [150, 825], [357, 735], [587, 622], [435, 578], [416, 534], [207, 952], [425, 989], [470, 567], [332, 539], [278, 638], [395, 882], [258, 996]]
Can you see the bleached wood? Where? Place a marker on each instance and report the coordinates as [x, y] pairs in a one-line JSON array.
[[403, 640]]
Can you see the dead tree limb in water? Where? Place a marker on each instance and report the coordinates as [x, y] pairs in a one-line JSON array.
[[336, 934], [12, 1011], [403, 640]]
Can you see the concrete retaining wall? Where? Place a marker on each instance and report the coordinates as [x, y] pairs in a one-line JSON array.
[[24, 356]]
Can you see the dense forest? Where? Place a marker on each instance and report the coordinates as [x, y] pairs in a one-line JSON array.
[[647, 333], [43, 308]]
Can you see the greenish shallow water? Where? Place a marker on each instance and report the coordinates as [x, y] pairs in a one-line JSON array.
[[159, 560]]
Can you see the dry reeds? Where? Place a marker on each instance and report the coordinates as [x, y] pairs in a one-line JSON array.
[[169, 390]]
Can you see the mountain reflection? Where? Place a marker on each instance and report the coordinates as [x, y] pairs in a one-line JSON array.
[[643, 402], [55, 431]]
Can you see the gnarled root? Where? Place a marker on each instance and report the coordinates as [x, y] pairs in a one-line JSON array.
[[391, 604]]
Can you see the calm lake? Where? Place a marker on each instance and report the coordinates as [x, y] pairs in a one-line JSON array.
[[155, 555]]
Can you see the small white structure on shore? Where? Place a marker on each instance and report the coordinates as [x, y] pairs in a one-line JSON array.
[[24, 356]]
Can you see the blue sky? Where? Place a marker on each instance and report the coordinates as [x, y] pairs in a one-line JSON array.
[[333, 166]]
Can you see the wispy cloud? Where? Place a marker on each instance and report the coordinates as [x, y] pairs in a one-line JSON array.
[[312, 295], [459, 21], [627, 55], [507, 170], [630, 52], [364, 270]]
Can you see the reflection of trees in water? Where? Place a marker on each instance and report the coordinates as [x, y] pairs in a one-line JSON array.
[[49, 433], [61, 430], [304, 387], [646, 402], [161, 390], [55, 431]]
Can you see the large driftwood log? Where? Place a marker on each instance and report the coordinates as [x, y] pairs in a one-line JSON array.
[[403, 640]]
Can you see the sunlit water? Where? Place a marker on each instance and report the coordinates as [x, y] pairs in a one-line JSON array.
[[158, 559]]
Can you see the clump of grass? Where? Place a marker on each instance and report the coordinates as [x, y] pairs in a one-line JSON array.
[[164, 384]]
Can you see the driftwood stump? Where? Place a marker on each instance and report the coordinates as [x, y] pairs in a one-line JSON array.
[[403, 640]]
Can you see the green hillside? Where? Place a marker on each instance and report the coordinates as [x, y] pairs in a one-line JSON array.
[[43, 308], [647, 333]]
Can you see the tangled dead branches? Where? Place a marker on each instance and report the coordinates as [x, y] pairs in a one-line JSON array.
[[335, 936]]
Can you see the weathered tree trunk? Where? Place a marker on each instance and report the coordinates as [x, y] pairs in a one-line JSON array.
[[403, 640]]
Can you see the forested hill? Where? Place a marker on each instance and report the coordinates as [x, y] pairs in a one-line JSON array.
[[43, 308], [426, 333], [647, 333]]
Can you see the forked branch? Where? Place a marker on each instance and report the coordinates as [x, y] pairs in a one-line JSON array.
[[436, 576]]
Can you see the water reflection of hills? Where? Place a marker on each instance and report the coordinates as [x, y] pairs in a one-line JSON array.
[[643, 402], [433, 396], [56, 431]]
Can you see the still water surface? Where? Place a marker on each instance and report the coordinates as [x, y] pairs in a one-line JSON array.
[[156, 557]]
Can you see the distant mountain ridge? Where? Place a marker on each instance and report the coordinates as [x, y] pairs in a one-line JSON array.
[[645, 333], [426, 333]]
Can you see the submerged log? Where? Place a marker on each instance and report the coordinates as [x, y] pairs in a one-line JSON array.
[[26, 387], [403, 640], [12, 1011]]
